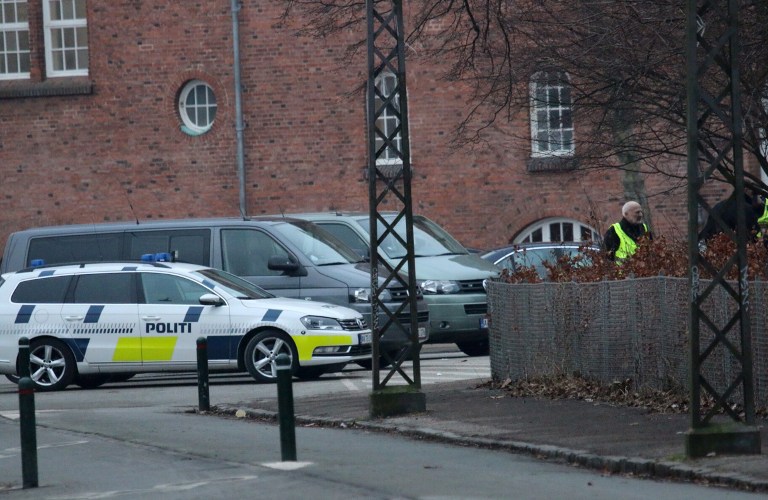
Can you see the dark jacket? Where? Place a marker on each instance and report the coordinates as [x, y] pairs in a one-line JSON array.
[[726, 209], [611, 240]]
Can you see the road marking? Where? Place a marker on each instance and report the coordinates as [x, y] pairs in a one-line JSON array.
[[160, 488], [286, 465], [14, 415], [16, 450], [349, 384]]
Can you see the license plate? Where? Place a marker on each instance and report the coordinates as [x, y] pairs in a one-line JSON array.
[[484, 323], [366, 338], [422, 333]]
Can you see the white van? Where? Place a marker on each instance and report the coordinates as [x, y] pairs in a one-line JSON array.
[[289, 257]]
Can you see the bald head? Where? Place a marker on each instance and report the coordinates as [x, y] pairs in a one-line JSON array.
[[633, 212]]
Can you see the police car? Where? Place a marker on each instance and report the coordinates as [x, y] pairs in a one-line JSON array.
[[94, 322]]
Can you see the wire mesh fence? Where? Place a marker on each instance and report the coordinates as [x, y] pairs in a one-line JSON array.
[[610, 331]]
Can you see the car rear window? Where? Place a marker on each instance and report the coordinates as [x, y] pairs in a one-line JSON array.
[[48, 290]]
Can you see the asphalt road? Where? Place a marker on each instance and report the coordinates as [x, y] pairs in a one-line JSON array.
[[144, 440]]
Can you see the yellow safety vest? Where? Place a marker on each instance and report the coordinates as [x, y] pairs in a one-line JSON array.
[[763, 220], [627, 245]]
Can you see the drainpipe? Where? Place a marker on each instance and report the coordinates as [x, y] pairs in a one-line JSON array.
[[238, 107]]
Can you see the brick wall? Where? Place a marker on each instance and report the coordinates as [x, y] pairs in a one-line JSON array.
[[117, 153]]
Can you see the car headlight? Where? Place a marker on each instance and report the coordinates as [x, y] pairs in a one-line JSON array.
[[434, 287], [364, 295], [320, 323]]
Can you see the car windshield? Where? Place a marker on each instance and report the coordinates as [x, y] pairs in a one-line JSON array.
[[429, 239], [317, 244], [233, 285]]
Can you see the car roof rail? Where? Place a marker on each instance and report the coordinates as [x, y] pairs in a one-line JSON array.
[[82, 264]]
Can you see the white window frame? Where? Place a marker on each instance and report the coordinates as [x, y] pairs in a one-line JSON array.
[[205, 109], [19, 30], [73, 26], [544, 225], [388, 121], [557, 137]]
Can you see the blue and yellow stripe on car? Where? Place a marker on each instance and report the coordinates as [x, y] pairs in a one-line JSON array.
[[306, 344], [150, 349]]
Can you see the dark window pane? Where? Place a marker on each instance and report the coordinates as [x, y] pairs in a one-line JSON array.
[[567, 231], [190, 245], [80, 248], [554, 232], [49, 290], [552, 97], [112, 288], [349, 237]]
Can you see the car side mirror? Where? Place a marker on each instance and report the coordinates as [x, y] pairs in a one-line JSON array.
[[211, 299], [288, 265]]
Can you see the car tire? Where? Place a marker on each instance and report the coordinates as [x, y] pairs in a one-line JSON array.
[[383, 363], [261, 353], [92, 380], [474, 348], [120, 377], [311, 372], [51, 364], [13, 378]]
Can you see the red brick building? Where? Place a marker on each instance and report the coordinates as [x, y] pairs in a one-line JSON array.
[[91, 128]]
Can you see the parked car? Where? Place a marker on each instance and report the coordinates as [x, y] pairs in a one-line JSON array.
[[87, 321], [450, 277], [533, 255], [288, 257]]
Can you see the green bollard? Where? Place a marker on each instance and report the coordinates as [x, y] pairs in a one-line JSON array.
[[285, 408], [203, 395], [24, 357], [28, 432]]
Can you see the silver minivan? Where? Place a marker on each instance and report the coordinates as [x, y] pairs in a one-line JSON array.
[[288, 257], [449, 276]]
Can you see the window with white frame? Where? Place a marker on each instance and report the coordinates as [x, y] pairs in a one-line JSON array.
[[551, 115], [197, 107], [14, 39], [66, 37], [388, 121], [557, 230]]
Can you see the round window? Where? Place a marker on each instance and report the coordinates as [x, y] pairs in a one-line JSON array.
[[197, 107]]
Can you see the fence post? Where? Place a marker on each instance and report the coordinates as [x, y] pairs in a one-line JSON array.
[[203, 393], [285, 408], [28, 430], [24, 357]]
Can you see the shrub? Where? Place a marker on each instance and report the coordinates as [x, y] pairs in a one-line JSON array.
[[658, 257]]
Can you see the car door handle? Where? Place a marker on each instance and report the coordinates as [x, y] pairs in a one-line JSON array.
[[74, 318], [151, 318]]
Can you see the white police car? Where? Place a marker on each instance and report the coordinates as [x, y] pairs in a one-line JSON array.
[[94, 322]]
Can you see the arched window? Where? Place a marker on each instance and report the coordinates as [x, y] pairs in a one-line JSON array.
[[551, 115], [197, 107], [557, 230]]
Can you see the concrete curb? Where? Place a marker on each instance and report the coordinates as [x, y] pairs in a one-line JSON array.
[[611, 464]]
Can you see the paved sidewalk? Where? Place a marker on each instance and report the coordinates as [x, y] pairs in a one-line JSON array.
[[595, 435]]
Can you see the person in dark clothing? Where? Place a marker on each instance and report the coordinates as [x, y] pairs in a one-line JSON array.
[[620, 241], [726, 209]]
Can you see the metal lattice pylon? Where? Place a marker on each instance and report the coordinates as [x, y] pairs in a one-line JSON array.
[[389, 178], [712, 52]]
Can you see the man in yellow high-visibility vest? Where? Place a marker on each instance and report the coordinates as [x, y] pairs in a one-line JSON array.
[[620, 241]]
